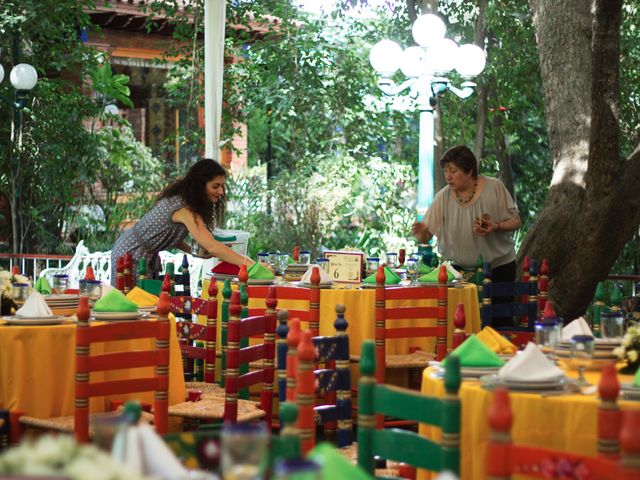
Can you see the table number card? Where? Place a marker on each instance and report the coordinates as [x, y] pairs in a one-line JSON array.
[[345, 267]]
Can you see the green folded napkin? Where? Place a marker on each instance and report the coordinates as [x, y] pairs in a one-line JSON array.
[[42, 286], [390, 278], [432, 277], [334, 465], [258, 271], [115, 301], [636, 379], [474, 353], [423, 268]]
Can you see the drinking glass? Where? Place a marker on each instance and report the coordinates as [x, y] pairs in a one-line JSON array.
[[60, 283], [323, 263], [244, 451], [392, 259], [581, 355], [272, 258], [547, 335], [372, 264], [263, 258], [412, 269], [612, 325], [19, 292], [283, 262], [305, 257]]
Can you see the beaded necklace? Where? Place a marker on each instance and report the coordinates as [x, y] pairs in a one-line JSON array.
[[473, 194]]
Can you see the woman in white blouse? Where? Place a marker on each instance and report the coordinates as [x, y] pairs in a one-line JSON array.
[[472, 215]]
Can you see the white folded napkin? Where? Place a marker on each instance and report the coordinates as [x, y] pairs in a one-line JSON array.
[[325, 279], [578, 327], [143, 451], [34, 306], [530, 366], [159, 460], [456, 274]]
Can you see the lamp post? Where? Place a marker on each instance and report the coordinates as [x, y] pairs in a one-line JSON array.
[[426, 67], [23, 77]]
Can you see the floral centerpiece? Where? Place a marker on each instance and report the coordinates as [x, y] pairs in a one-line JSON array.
[[629, 350], [7, 279], [61, 456]]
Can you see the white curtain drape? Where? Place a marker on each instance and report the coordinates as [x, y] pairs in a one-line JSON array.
[[214, 24]]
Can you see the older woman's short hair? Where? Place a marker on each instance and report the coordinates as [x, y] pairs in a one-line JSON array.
[[463, 158]]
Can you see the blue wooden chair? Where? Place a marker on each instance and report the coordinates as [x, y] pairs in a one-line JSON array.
[[521, 305]]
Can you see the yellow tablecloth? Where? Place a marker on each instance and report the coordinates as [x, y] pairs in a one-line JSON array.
[[37, 368], [360, 313], [563, 422]]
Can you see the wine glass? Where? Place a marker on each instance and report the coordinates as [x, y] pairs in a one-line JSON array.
[[581, 355], [412, 269]]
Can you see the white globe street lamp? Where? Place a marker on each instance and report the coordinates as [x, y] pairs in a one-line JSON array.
[[426, 67]]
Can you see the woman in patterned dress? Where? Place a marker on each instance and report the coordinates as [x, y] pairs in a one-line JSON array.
[[194, 204]]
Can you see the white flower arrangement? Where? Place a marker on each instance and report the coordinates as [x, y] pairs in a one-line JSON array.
[[61, 456], [630, 348]]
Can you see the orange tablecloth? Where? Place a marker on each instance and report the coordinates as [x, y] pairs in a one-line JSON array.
[[563, 422], [37, 370], [360, 313]]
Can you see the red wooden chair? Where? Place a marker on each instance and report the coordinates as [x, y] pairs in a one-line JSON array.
[[86, 364], [239, 328], [310, 295], [387, 314], [197, 341], [616, 431]]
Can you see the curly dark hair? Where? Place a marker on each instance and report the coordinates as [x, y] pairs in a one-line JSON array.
[[191, 188], [463, 158]]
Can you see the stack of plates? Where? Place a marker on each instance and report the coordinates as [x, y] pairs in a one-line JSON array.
[[630, 392], [29, 321], [63, 301], [295, 271], [468, 372], [257, 281], [560, 383], [328, 284], [118, 316], [602, 352], [223, 276]]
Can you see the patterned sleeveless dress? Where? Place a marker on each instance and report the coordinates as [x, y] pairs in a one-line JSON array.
[[154, 232]]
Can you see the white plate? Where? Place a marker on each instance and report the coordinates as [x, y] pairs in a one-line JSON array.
[[29, 321], [151, 309], [322, 285], [118, 315], [491, 381]]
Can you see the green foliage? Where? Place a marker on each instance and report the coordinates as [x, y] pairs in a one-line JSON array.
[[112, 87]]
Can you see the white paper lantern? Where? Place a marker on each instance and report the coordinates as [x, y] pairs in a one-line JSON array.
[[470, 60]]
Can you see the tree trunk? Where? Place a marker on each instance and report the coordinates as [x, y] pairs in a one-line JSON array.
[[579, 229]]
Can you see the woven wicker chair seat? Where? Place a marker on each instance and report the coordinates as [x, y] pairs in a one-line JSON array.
[[206, 388], [65, 424], [417, 359], [212, 407]]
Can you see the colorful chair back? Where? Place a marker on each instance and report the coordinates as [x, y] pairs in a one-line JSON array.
[[242, 328], [86, 363], [523, 306], [617, 434], [309, 295], [403, 445], [197, 341], [386, 315], [332, 383]]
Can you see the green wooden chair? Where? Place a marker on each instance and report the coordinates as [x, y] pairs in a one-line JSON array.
[[402, 445]]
